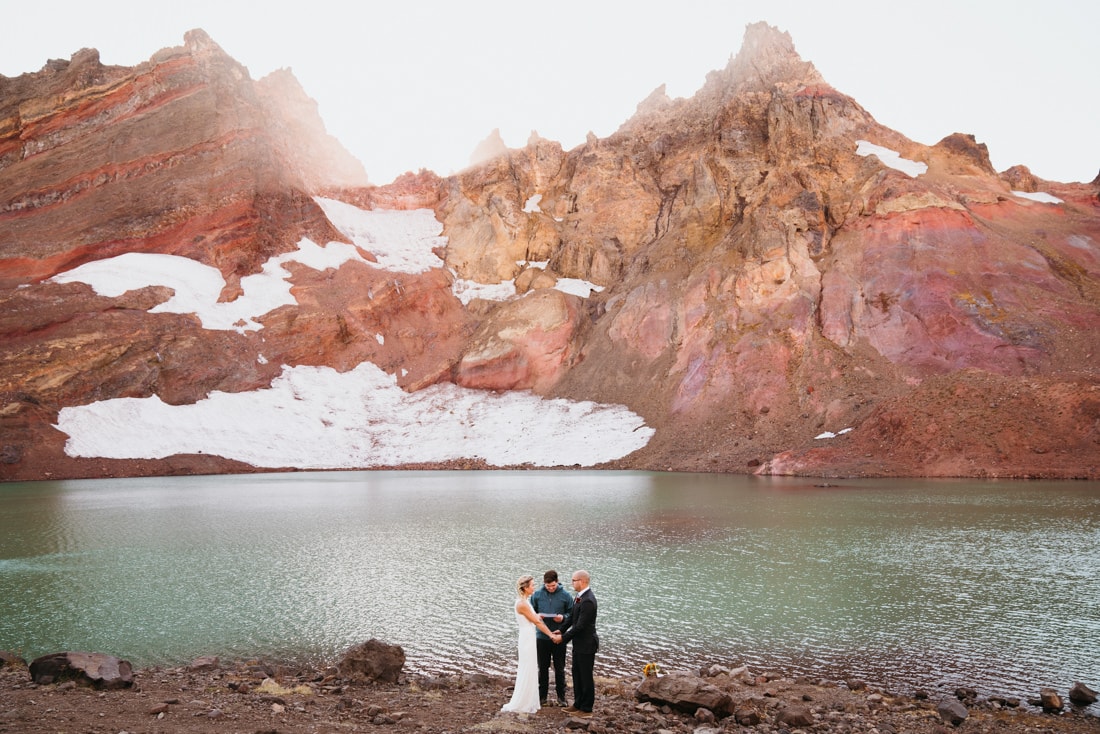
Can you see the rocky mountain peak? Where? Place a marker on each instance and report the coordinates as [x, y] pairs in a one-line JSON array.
[[657, 100], [300, 137], [765, 71], [199, 41], [489, 148], [767, 58]]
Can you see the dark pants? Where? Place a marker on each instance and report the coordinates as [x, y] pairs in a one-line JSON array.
[[550, 652], [584, 686]]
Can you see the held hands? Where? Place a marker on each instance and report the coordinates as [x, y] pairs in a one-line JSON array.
[[556, 637]]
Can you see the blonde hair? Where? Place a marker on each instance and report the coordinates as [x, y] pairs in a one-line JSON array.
[[521, 584]]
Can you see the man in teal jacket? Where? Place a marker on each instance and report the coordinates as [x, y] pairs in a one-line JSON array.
[[554, 605]]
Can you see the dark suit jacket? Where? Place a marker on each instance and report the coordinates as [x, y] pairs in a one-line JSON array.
[[581, 627]]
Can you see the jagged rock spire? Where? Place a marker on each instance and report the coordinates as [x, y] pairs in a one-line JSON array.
[[767, 57], [489, 148]]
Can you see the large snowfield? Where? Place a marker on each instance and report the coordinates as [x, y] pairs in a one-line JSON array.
[[316, 417]]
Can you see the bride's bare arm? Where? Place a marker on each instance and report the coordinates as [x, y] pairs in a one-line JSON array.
[[525, 609]]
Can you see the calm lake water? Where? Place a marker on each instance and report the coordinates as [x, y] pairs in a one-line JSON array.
[[904, 583]]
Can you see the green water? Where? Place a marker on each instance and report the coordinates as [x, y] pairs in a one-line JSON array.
[[905, 583]]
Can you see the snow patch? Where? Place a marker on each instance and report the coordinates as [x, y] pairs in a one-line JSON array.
[[577, 287], [402, 241], [830, 434], [890, 158], [1039, 196], [318, 418], [532, 205], [468, 290], [197, 286], [315, 417]]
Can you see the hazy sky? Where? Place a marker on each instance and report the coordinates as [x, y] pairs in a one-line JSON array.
[[420, 84]]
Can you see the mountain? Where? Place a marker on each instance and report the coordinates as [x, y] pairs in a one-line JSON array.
[[760, 278]]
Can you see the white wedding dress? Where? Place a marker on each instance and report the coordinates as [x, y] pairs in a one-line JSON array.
[[525, 696]]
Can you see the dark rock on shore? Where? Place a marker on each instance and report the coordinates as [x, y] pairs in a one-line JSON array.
[[1081, 694], [952, 712], [1049, 700], [795, 717], [373, 661], [93, 669], [685, 693]]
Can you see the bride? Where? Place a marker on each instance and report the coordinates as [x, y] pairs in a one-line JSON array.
[[525, 696]]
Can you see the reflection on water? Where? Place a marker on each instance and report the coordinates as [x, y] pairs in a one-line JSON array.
[[904, 583]]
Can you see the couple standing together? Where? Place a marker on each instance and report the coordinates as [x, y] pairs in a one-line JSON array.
[[548, 620]]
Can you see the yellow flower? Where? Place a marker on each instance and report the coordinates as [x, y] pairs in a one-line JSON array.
[[651, 670]]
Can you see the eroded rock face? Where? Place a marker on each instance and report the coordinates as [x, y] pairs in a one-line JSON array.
[[775, 265], [765, 276], [526, 344], [179, 155], [182, 155]]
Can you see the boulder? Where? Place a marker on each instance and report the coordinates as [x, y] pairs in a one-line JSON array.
[[206, 662], [952, 711], [685, 693], [795, 717], [373, 661], [704, 716], [1050, 700], [746, 715], [93, 669], [1082, 694]]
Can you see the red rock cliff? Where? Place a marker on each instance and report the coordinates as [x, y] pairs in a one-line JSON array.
[[181, 155]]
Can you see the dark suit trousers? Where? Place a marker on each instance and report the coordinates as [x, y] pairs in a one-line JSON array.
[[584, 685], [550, 652]]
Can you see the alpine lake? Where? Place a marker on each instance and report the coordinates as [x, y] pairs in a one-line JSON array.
[[906, 584]]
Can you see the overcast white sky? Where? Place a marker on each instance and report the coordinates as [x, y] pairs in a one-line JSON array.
[[419, 84]]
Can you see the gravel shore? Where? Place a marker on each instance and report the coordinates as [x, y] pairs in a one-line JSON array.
[[260, 698]]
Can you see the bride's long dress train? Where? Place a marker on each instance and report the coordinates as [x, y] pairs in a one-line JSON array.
[[525, 696]]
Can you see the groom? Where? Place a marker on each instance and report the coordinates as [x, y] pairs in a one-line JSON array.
[[580, 628]]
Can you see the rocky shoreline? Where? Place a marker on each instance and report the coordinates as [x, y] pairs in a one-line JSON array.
[[368, 691]]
